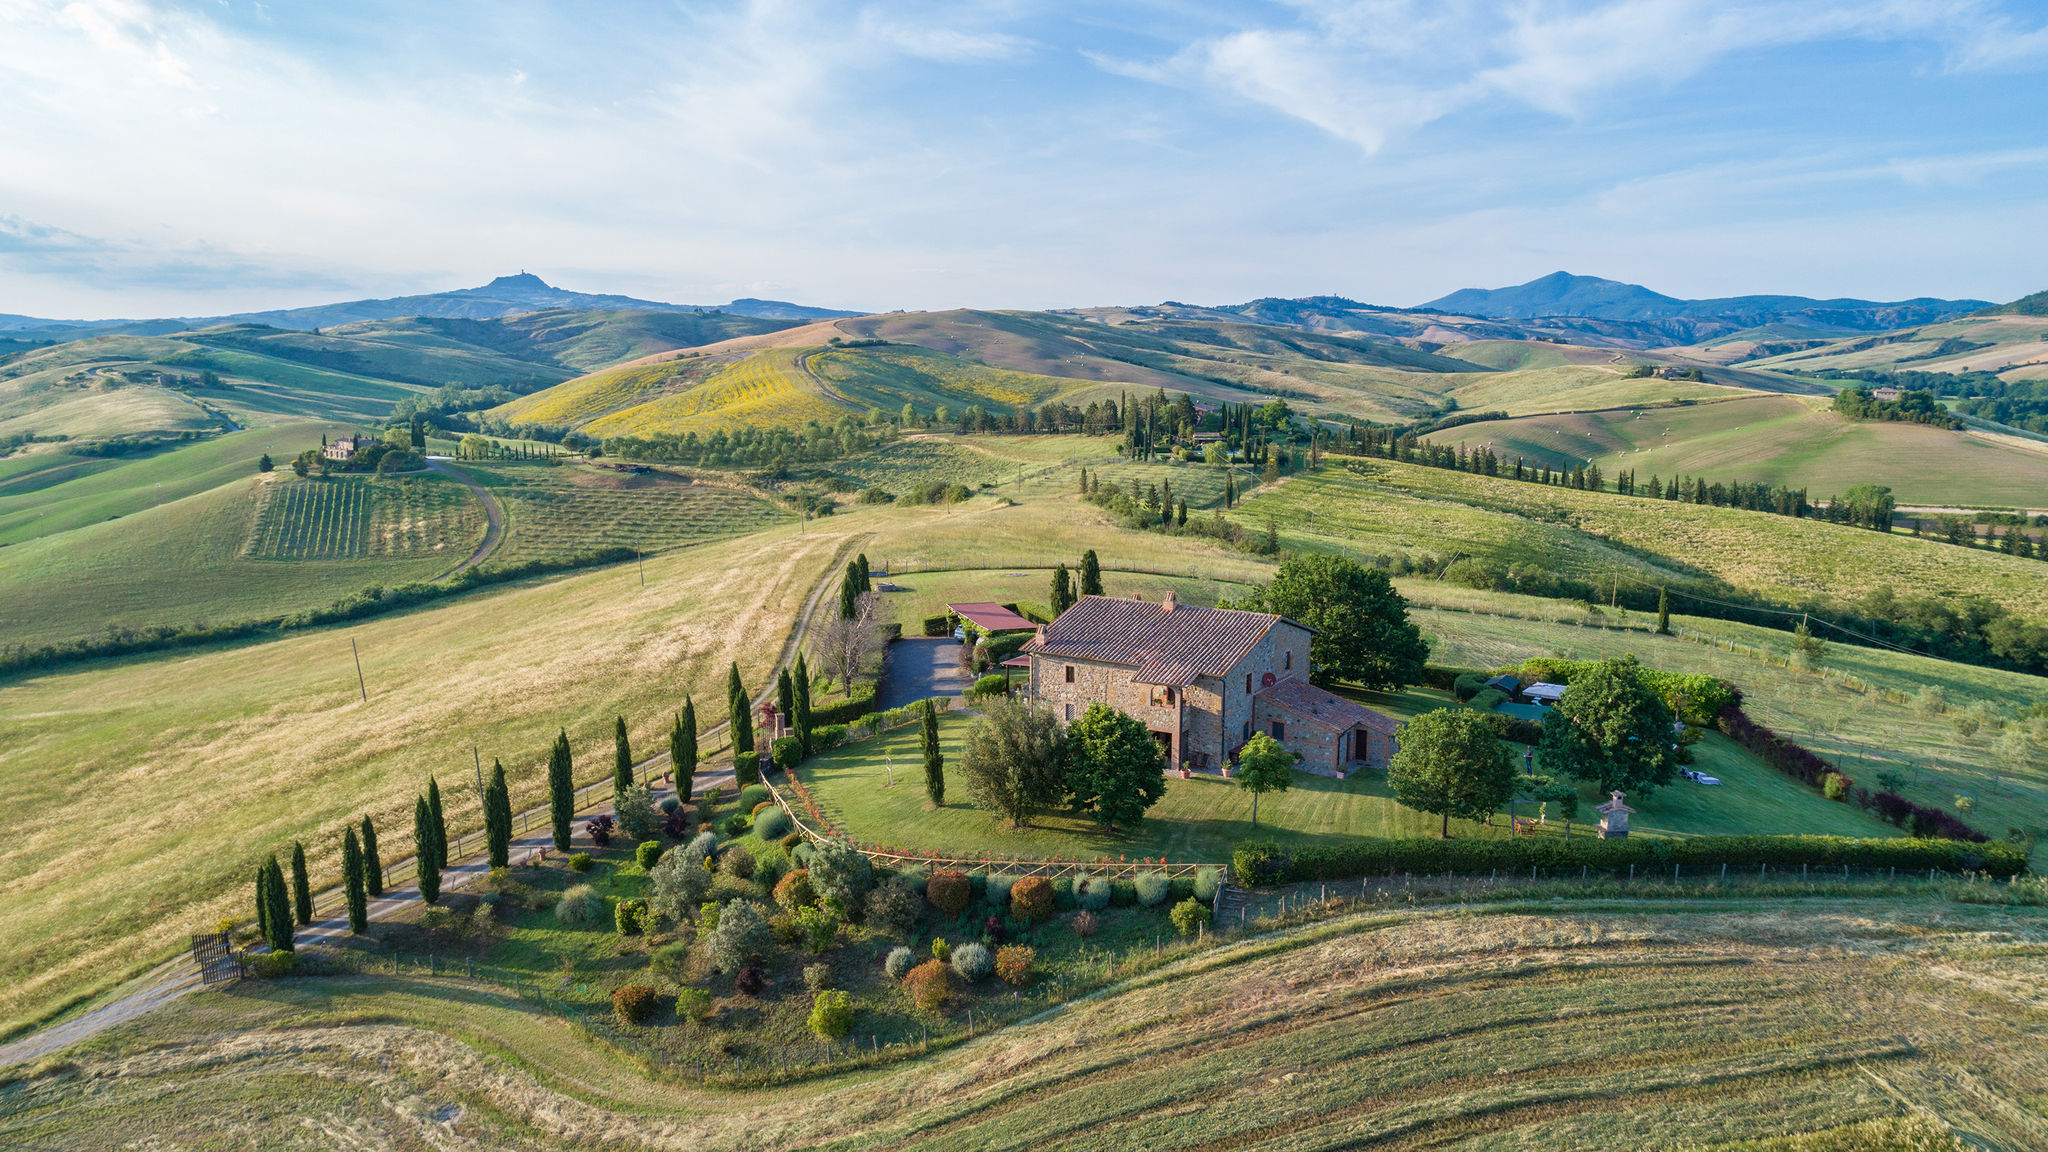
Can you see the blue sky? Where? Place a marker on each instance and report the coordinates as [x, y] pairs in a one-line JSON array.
[[164, 158]]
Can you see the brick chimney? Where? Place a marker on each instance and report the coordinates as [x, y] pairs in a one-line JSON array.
[[1170, 602]]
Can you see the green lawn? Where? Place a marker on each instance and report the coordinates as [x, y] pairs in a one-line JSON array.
[[874, 792]]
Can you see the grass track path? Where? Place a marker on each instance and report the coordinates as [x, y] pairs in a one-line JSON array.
[[494, 518]]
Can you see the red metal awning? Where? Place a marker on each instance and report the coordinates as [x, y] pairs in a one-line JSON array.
[[990, 617]]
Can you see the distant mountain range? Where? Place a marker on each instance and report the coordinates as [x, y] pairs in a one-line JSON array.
[[1562, 294], [504, 296]]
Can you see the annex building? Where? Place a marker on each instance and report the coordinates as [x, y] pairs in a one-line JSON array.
[[1202, 680]]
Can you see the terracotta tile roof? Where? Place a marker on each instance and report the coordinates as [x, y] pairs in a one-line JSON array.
[[1165, 646], [1303, 699]]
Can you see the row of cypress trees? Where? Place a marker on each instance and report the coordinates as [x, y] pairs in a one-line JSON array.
[[363, 870]]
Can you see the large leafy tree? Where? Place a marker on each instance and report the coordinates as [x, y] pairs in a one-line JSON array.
[[1363, 634], [1114, 767], [1264, 765], [1451, 763], [1610, 729], [1015, 760]]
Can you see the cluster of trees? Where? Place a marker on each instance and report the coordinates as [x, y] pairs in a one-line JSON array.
[[1912, 406], [1611, 729], [1363, 635], [1019, 760], [446, 406], [771, 448], [1067, 588]]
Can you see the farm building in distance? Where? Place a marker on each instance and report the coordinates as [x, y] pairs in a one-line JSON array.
[[343, 447], [1203, 680]]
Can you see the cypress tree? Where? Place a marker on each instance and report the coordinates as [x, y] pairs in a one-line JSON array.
[[785, 697], [849, 590], [302, 887], [561, 790], [1062, 590], [277, 917], [373, 864], [423, 851], [436, 824], [1663, 612], [801, 722], [682, 750], [263, 900], [739, 708], [352, 881], [934, 763], [498, 817], [867, 583], [1181, 516], [622, 757], [1091, 574]]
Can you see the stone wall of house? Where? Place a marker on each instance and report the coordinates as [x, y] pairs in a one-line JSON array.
[[1319, 746], [1283, 649], [1107, 684]]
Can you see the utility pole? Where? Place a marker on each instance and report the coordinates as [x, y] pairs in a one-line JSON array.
[[479, 769], [643, 566], [360, 686]]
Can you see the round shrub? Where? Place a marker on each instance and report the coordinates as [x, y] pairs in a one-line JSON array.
[[1014, 963], [941, 951], [832, 1015], [736, 824], [1063, 892], [772, 824], [786, 753], [1835, 786], [741, 937], [1152, 887], [635, 1003], [794, 890], [898, 963], [737, 861], [999, 889], [972, 962], [993, 684], [929, 985], [1031, 899], [817, 977], [580, 862], [751, 795], [1189, 915], [750, 981], [647, 854], [1085, 924], [894, 908], [669, 804], [704, 843], [580, 905], [1093, 893], [1206, 882], [948, 892], [629, 917], [827, 736]]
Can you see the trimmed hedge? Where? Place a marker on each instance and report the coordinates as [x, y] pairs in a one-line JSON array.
[[1267, 863], [938, 625], [1802, 764], [858, 704]]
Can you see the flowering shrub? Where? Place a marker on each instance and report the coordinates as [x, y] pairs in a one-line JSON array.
[[1014, 963], [832, 1015], [1085, 924], [794, 890]]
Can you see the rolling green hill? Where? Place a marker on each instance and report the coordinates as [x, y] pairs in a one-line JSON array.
[[2013, 345], [1775, 439]]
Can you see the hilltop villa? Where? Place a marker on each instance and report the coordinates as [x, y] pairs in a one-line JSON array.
[[1202, 680]]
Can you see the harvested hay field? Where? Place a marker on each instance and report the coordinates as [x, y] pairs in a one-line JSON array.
[[1813, 1024]]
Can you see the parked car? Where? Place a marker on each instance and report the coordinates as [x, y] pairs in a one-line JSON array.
[[1700, 777]]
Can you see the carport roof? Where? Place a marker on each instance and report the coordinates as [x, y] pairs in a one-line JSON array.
[[990, 616]]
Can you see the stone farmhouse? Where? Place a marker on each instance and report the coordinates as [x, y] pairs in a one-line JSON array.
[[1202, 680]]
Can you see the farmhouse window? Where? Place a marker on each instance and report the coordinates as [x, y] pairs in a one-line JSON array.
[[1279, 730], [1070, 707], [1247, 683], [1247, 730], [1070, 673], [1287, 662]]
